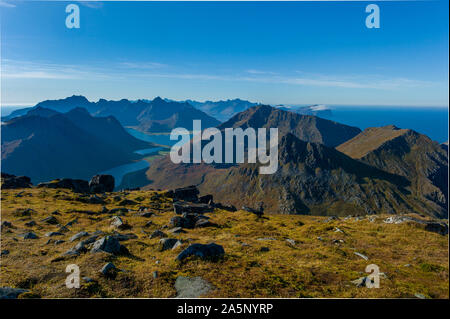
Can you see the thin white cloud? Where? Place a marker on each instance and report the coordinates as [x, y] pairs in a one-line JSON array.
[[143, 65], [127, 70], [7, 5]]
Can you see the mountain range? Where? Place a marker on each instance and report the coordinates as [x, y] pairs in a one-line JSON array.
[[315, 178], [156, 115], [45, 144]]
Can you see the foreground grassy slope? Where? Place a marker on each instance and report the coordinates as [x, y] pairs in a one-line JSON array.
[[413, 260]]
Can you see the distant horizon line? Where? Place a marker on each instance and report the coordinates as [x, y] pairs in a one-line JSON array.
[[31, 104]]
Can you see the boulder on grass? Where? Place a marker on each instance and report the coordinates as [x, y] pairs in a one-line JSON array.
[[101, 184]]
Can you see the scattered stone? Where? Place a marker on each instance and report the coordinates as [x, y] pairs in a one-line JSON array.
[[203, 223], [118, 223], [101, 184], [435, 227], [95, 200], [107, 244], [192, 287], [291, 241], [331, 218], [120, 210], [52, 233], [144, 214], [78, 236], [59, 242], [148, 224], [420, 296], [127, 202], [30, 223], [124, 237], [361, 255], [5, 224], [337, 241], [108, 270], [63, 229], [211, 250], [176, 230], [24, 212], [167, 243], [407, 265], [158, 233], [265, 238], [11, 293], [50, 220], [88, 279], [338, 230], [179, 243], [29, 235]]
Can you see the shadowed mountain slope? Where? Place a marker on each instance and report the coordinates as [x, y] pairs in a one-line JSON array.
[[74, 145], [406, 153]]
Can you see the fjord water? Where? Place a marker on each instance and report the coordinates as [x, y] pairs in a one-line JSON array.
[[431, 121]]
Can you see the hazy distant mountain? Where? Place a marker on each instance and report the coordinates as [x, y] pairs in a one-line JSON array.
[[149, 116], [407, 153], [75, 144], [163, 116], [305, 127], [222, 110]]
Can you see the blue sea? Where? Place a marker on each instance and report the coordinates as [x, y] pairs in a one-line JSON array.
[[431, 121]]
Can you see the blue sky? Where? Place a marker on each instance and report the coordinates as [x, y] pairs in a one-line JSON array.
[[288, 52]]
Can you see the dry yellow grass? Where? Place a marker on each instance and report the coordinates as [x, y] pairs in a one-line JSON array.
[[311, 268]]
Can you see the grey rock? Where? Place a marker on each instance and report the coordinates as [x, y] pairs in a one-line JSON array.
[[108, 270], [107, 244], [176, 230], [361, 255], [50, 220], [291, 241], [192, 287], [211, 250], [52, 233], [88, 279], [31, 223], [158, 233], [78, 236], [29, 235], [167, 243], [59, 242]]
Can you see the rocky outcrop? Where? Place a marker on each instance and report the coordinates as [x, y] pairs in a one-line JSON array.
[[76, 185], [12, 182], [101, 184]]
